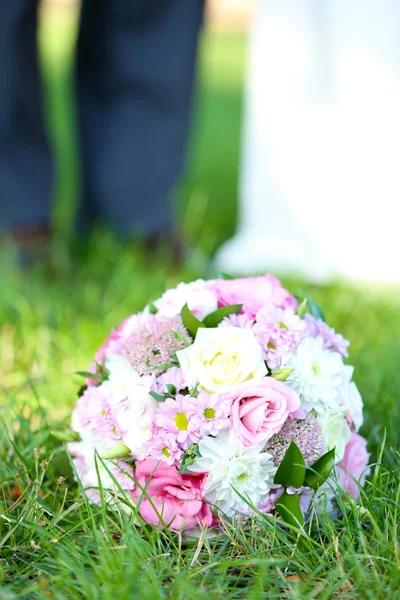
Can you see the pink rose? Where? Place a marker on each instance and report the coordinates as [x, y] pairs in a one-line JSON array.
[[353, 465], [253, 293], [261, 408], [176, 500]]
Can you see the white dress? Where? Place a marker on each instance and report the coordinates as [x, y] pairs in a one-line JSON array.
[[320, 175]]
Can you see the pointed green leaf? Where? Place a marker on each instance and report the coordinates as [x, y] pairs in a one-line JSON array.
[[157, 397], [117, 451], [319, 472], [215, 318], [288, 506], [315, 310], [224, 276], [282, 374], [66, 435], [291, 471], [153, 310], [302, 308], [93, 376], [171, 389], [191, 322]]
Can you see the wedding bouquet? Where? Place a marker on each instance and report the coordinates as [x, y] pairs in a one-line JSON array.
[[222, 399]]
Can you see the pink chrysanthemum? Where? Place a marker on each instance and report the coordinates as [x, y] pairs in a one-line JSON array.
[[173, 376], [212, 415], [149, 347], [177, 416], [306, 434], [243, 321], [164, 446], [93, 413], [332, 340], [278, 331]]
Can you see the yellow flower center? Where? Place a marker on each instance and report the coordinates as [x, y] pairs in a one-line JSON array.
[[181, 421], [209, 413]]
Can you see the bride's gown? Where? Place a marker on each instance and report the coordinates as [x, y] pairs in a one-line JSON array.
[[320, 175]]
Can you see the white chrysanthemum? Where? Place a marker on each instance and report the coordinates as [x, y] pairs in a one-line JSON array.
[[200, 299], [316, 375], [350, 397], [234, 469], [135, 408]]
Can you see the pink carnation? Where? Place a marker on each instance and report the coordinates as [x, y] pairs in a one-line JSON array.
[[260, 409], [332, 340], [253, 293], [170, 498], [353, 466]]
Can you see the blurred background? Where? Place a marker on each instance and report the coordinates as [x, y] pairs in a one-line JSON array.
[[54, 316]]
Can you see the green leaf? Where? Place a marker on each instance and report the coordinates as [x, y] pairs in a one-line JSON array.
[[191, 322], [291, 471], [171, 389], [288, 506], [94, 376], [315, 310], [302, 308], [153, 310], [282, 374], [157, 397], [117, 451], [319, 472], [188, 458], [215, 318], [221, 275], [66, 435]]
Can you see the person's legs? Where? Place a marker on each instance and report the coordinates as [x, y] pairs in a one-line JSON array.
[[25, 165], [135, 73]]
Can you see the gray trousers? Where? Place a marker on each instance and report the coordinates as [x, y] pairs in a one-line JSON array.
[[134, 80]]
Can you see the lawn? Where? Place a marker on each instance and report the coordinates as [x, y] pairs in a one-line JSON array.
[[52, 319]]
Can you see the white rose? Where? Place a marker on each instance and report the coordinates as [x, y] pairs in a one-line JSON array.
[[201, 300], [350, 397], [335, 431], [221, 358]]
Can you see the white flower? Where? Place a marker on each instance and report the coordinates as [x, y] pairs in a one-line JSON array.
[[220, 358], [200, 299], [316, 375], [135, 408], [231, 466], [335, 431], [350, 397]]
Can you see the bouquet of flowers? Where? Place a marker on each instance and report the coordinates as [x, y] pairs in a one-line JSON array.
[[222, 399]]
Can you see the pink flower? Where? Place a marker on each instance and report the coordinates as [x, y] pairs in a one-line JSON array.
[[176, 416], [213, 412], [353, 465], [163, 446], [253, 293], [169, 498], [173, 376], [261, 408]]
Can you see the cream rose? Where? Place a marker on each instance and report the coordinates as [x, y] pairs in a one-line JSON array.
[[335, 431], [221, 358]]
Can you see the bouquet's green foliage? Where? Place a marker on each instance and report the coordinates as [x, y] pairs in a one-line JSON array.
[[288, 506], [116, 452], [291, 471], [215, 318], [188, 458], [191, 322], [282, 374], [319, 471]]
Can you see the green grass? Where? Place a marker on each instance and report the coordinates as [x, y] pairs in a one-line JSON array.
[[52, 319]]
